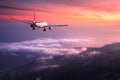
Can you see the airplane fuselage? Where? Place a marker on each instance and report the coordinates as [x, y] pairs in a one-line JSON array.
[[40, 24], [36, 24]]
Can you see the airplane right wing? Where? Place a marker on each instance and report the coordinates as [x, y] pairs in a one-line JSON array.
[[57, 25]]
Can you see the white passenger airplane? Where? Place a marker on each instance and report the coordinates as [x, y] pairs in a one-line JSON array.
[[37, 24]]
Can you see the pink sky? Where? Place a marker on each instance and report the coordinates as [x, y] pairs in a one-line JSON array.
[[69, 11], [98, 19]]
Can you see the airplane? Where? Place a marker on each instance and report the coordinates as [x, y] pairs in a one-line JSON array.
[[37, 24]]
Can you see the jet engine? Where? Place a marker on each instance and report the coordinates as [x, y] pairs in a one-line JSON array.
[[32, 25], [50, 28]]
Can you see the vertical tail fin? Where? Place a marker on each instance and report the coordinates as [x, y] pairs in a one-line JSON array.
[[34, 16]]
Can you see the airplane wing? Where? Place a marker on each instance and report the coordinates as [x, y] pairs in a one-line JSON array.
[[56, 25], [24, 21]]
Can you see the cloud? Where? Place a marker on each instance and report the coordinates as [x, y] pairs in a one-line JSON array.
[[77, 10], [49, 5], [94, 53], [46, 67], [49, 46], [20, 8], [105, 5]]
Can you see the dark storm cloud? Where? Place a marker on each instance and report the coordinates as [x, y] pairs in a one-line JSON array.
[[104, 66]]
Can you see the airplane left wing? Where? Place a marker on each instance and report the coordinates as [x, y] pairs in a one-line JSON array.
[[24, 21]]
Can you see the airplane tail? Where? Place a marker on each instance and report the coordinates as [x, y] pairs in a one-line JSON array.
[[34, 16]]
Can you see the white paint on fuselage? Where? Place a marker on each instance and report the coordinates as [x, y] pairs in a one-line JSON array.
[[40, 24]]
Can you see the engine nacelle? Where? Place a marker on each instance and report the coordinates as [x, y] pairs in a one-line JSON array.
[[32, 25], [50, 28]]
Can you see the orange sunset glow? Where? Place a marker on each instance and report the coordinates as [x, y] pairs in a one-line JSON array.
[[104, 11]]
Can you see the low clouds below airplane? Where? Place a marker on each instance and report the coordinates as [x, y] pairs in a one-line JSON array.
[[49, 46]]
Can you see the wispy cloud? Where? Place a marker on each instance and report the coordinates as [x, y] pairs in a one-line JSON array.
[[20, 8], [40, 5], [70, 10]]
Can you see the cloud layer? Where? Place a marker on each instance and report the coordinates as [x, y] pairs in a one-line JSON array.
[[49, 46]]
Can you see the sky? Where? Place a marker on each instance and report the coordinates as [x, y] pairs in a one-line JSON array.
[[88, 19]]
